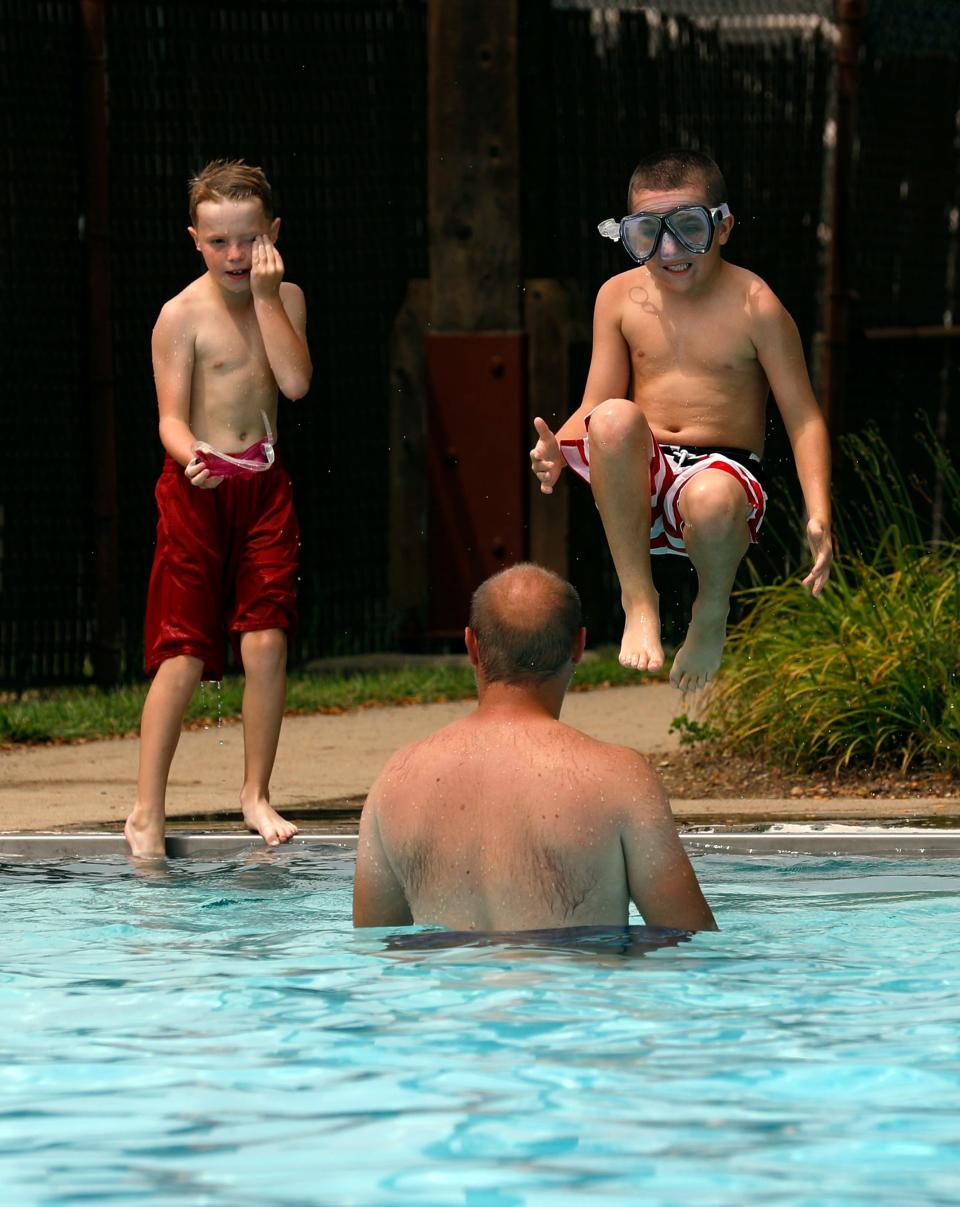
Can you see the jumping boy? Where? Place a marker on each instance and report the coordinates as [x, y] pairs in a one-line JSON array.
[[227, 536], [670, 431]]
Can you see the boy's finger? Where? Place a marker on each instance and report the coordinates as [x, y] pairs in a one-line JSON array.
[[542, 429]]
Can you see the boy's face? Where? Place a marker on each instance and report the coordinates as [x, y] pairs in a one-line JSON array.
[[673, 266], [224, 236]]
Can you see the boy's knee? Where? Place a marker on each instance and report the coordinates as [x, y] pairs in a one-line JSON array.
[[618, 423], [714, 503], [264, 647], [182, 669]]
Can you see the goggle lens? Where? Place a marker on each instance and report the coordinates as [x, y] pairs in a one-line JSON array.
[[692, 227]]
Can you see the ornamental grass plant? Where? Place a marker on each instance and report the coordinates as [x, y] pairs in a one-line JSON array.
[[868, 674]]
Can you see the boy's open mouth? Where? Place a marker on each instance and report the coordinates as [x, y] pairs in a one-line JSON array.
[[238, 272], [678, 269]]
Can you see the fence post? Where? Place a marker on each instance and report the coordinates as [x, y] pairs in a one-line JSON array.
[[475, 348], [99, 354], [833, 365]]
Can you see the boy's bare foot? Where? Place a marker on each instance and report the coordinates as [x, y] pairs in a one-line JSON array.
[[145, 836], [641, 646], [260, 816], [698, 658]]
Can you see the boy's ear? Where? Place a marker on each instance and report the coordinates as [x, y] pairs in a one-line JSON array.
[[192, 232], [725, 227], [274, 230]]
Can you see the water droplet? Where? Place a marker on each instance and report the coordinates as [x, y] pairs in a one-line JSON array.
[[219, 687]]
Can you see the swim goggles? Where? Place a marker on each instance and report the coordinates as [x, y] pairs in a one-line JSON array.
[[691, 225], [254, 460]]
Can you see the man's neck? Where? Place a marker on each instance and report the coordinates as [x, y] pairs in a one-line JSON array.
[[527, 699]]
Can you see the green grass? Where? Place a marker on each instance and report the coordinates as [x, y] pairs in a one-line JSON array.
[[868, 675], [84, 713]]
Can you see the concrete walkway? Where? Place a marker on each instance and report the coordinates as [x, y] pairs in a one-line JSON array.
[[326, 762]]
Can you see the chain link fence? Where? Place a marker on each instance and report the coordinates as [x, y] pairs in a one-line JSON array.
[[330, 97]]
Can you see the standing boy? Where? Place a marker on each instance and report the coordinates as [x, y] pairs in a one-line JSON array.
[[685, 350], [227, 536]]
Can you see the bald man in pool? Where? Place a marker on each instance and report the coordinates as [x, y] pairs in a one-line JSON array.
[[510, 820]]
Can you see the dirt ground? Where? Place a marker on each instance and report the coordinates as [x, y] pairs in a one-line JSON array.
[[326, 764]]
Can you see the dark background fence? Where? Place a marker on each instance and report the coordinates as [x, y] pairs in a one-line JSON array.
[[330, 97]]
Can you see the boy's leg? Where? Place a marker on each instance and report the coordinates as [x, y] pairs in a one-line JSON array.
[[264, 656], [174, 683], [620, 450], [714, 510]]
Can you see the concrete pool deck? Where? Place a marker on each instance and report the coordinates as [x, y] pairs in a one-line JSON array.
[[326, 764]]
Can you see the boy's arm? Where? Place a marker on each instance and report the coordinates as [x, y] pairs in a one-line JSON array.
[[282, 315], [660, 876], [609, 377], [173, 355], [781, 356], [378, 897]]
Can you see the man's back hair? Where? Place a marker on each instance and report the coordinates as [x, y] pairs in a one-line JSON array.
[[672, 169], [230, 180], [525, 620]]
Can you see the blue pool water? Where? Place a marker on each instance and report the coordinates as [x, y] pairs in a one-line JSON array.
[[220, 1035]]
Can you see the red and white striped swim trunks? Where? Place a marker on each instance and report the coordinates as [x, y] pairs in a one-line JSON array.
[[671, 467]]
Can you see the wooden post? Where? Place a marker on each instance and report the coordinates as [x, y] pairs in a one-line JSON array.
[[99, 366], [473, 184], [475, 349], [833, 362]]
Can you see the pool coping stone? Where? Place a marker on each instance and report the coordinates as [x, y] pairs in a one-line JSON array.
[[774, 839]]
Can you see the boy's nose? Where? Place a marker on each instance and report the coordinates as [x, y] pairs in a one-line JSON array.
[[669, 247]]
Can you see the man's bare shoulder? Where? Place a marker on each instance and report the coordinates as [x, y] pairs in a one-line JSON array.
[[446, 742], [627, 771]]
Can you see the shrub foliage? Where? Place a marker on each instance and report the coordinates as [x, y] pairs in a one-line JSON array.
[[869, 673]]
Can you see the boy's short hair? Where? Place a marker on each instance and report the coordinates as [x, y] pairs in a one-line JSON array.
[[525, 620], [230, 180], [672, 169]]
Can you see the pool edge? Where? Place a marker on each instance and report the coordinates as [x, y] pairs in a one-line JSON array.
[[772, 839]]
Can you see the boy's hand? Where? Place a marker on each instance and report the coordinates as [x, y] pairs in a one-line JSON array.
[[546, 460], [198, 475], [266, 269], [821, 546]]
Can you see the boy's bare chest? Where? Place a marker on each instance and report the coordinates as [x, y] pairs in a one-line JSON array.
[[228, 346], [710, 343]]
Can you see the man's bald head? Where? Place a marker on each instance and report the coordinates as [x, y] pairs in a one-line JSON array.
[[526, 621]]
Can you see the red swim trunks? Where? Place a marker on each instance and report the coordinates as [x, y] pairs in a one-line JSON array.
[[225, 563], [671, 468]]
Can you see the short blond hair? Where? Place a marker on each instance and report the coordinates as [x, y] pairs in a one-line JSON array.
[[230, 180]]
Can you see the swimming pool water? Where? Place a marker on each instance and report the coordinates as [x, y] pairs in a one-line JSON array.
[[218, 1034]]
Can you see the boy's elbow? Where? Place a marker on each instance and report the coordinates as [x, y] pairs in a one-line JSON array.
[[297, 385]]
